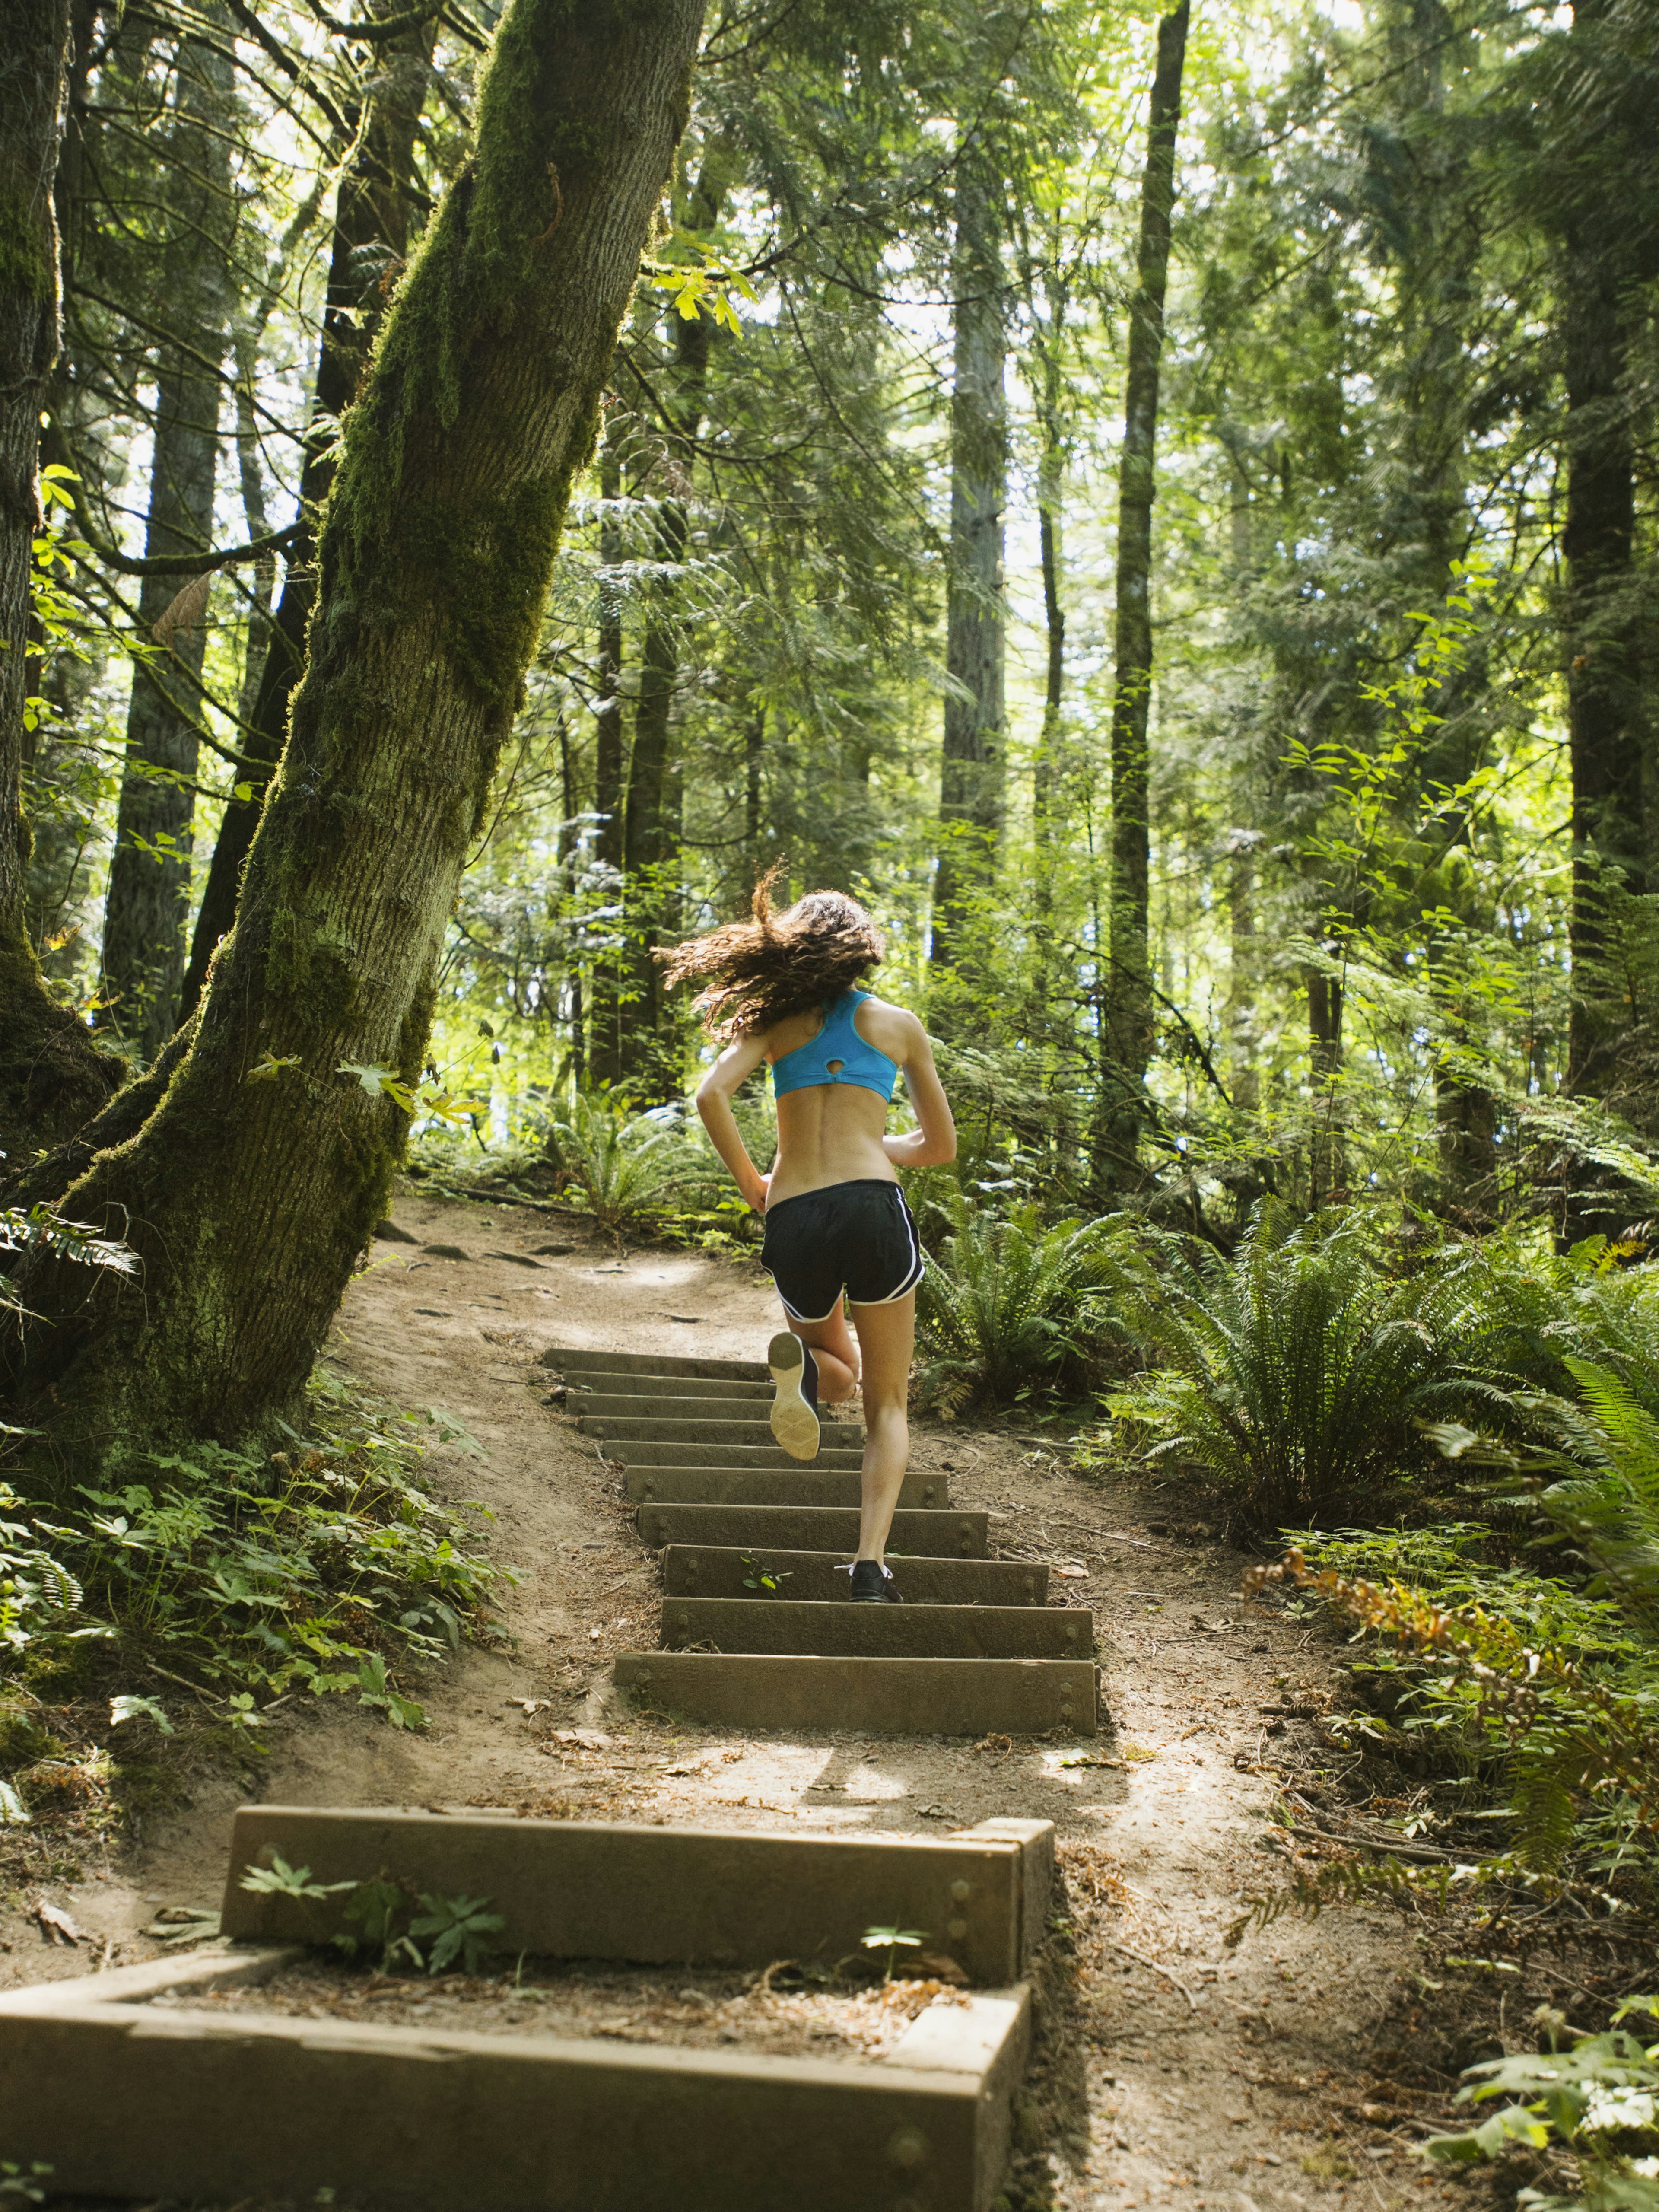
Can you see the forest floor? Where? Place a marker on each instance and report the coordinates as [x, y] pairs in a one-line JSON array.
[[1297, 2068]]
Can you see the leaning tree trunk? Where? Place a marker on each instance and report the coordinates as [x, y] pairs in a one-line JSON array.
[[1128, 1012], [146, 905], [372, 213], [257, 1180], [51, 1076], [972, 759]]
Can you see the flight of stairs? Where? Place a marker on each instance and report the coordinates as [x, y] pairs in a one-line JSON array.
[[758, 1628]]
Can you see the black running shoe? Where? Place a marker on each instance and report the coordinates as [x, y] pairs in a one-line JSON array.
[[872, 1584]]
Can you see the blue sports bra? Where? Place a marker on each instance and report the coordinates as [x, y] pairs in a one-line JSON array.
[[839, 1039]]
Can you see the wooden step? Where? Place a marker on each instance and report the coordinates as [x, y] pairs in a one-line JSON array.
[[877, 1631], [574, 1360], [593, 1392], [752, 1435], [722, 1570], [788, 1484], [878, 1696], [953, 1535], [755, 1456]]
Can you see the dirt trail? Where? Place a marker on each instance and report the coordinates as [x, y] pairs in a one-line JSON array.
[[1169, 2070]]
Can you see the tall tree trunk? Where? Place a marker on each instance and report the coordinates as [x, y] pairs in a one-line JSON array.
[[51, 1077], [653, 818], [973, 758], [1604, 608], [1129, 996], [604, 1060], [1047, 768], [146, 907], [1328, 1155], [258, 1179], [372, 224]]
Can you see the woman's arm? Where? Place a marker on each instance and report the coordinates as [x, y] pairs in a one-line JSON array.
[[715, 1096], [935, 1142]]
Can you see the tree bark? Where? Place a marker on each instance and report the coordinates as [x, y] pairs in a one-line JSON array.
[[146, 907], [52, 1077], [973, 768], [1129, 997], [604, 1060], [257, 1180], [651, 821], [1604, 610], [372, 222]]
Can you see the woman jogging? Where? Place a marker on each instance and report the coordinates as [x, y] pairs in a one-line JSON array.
[[782, 988]]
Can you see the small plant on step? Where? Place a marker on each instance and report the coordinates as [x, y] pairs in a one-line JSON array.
[[766, 1578], [376, 1907], [458, 1926], [19, 2185], [279, 1879], [891, 1939]]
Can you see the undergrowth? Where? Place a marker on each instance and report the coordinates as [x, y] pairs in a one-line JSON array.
[[226, 1584]]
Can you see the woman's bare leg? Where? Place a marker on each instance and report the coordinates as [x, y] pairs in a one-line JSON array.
[[887, 1337], [834, 1353]]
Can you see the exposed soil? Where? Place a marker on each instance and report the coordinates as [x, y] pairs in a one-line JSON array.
[[687, 2007], [1296, 2070]]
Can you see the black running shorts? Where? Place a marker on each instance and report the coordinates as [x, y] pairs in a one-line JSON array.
[[859, 1238]]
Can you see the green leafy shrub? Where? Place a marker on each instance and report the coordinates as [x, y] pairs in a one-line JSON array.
[[1296, 1372], [1008, 1306], [317, 1570], [630, 1171], [1599, 2100]]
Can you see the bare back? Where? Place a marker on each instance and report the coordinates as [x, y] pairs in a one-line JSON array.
[[832, 1132]]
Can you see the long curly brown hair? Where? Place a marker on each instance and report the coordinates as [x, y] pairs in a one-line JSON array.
[[756, 973]]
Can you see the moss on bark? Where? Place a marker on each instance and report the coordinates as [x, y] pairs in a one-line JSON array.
[[258, 1180]]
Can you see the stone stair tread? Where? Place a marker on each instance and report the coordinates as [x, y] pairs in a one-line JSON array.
[[952, 1533], [882, 1697], [722, 1569], [824, 1628]]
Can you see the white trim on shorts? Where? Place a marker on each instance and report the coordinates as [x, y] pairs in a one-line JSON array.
[[914, 1274]]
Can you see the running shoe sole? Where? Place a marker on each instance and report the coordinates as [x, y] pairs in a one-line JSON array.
[[794, 1423]]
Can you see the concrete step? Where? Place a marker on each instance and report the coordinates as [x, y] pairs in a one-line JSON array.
[[752, 1436], [788, 1484], [833, 1530], [584, 1360], [756, 1456], [879, 1697], [604, 1889], [877, 1631], [722, 1570]]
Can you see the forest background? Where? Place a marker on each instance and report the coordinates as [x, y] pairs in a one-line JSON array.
[[1162, 510]]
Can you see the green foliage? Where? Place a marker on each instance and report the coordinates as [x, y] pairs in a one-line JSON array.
[[313, 1570], [279, 1879], [460, 1928], [631, 1169], [1296, 1371], [892, 1940], [1009, 1306], [1599, 2100]]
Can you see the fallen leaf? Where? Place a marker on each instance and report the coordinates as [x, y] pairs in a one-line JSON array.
[[530, 1705], [585, 1739], [55, 1924]]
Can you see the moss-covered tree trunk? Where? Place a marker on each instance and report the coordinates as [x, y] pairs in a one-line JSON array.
[[255, 1183], [51, 1077]]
